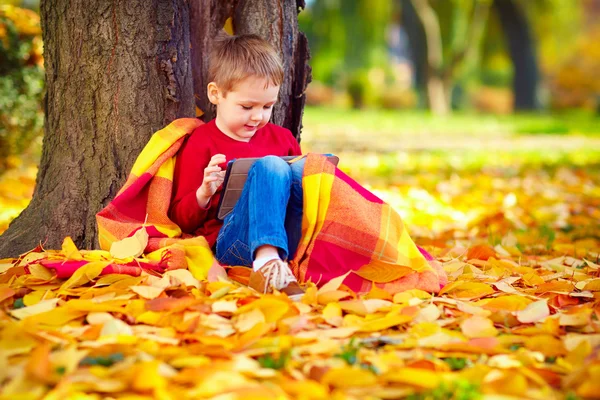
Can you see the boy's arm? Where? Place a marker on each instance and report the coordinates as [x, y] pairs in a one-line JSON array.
[[184, 210]]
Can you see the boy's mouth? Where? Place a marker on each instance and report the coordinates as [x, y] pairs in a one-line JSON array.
[[251, 127]]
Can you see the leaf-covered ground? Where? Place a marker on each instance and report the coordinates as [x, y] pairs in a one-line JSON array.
[[517, 230]]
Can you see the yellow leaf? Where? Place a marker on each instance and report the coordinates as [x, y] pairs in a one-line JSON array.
[[311, 295], [31, 257], [6, 264], [509, 382], [248, 320], [147, 292], [414, 376], [305, 389], [36, 296], [184, 276], [429, 313], [40, 272], [38, 308], [147, 376], [132, 246], [332, 296], [377, 293], [272, 308], [70, 251], [57, 316], [576, 317], [224, 306], [593, 285], [534, 312], [379, 324], [347, 376], [546, 344], [190, 361], [505, 303], [333, 284], [465, 289], [478, 327], [332, 314], [116, 327], [365, 307], [84, 274]]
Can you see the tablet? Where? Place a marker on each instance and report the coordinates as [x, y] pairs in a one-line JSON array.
[[235, 178]]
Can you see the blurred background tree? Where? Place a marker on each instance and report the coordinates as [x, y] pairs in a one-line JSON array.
[[493, 56], [21, 82]]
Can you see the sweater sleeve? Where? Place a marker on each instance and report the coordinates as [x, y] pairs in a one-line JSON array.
[[295, 149], [191, 161]]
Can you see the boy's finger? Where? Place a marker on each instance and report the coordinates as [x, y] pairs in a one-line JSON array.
[[217, 158]]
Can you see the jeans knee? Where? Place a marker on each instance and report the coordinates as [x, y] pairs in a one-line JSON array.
[[297, 169], [273, 166]]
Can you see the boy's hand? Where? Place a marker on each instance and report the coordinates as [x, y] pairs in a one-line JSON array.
[[213, 178]]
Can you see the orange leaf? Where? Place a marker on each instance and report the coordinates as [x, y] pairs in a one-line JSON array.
[[381, 271], [38, 365], [478, 327], [465, 289], [6, 293], [481, 252]]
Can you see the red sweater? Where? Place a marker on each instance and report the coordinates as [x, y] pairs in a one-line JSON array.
[[193, 157]]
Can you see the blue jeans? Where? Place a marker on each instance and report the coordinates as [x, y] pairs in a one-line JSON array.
[[268, 212]]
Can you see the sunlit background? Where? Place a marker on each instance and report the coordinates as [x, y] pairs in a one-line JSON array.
[[474, 118]]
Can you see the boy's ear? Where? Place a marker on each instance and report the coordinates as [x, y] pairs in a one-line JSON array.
[[213, 92]]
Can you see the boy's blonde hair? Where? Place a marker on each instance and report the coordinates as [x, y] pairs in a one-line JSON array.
[[234, 58]]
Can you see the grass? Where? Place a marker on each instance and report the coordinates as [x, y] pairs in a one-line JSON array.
[[421, 122]]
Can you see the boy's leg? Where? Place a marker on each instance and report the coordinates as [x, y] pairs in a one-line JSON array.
[[270, 179], [257, 218], [232, 242], [293, 218]]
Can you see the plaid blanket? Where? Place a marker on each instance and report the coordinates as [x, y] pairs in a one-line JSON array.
[[347, 228], [143, 202]]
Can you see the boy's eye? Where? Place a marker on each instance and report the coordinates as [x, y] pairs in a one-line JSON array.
[[268, 107], [247, 107]]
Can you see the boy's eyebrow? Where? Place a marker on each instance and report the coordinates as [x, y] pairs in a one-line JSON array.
[[257, 102]]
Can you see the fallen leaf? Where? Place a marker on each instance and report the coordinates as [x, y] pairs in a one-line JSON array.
[[478, 327], [534, 312], [132, 246]]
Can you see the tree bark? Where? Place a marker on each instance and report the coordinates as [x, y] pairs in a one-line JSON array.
[[417, 43], [522, 54], [274, 20], [438, 101], [207, 18], [115, 73]]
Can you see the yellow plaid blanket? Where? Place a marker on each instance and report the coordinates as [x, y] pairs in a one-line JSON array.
[[347, 228], [143, 202]]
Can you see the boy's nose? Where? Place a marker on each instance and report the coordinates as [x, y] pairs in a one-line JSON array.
[[256, 116]]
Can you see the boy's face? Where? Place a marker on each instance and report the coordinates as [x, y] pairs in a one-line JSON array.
[[244, 109]]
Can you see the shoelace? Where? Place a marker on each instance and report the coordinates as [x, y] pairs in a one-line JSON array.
[[278, 275]]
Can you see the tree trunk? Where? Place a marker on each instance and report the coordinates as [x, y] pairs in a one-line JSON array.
[[115, 73], [522, 53], [436, 93], [274, 20], [417, 43], [207, 18]]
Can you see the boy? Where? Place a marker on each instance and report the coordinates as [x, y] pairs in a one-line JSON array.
[[263, 230]]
